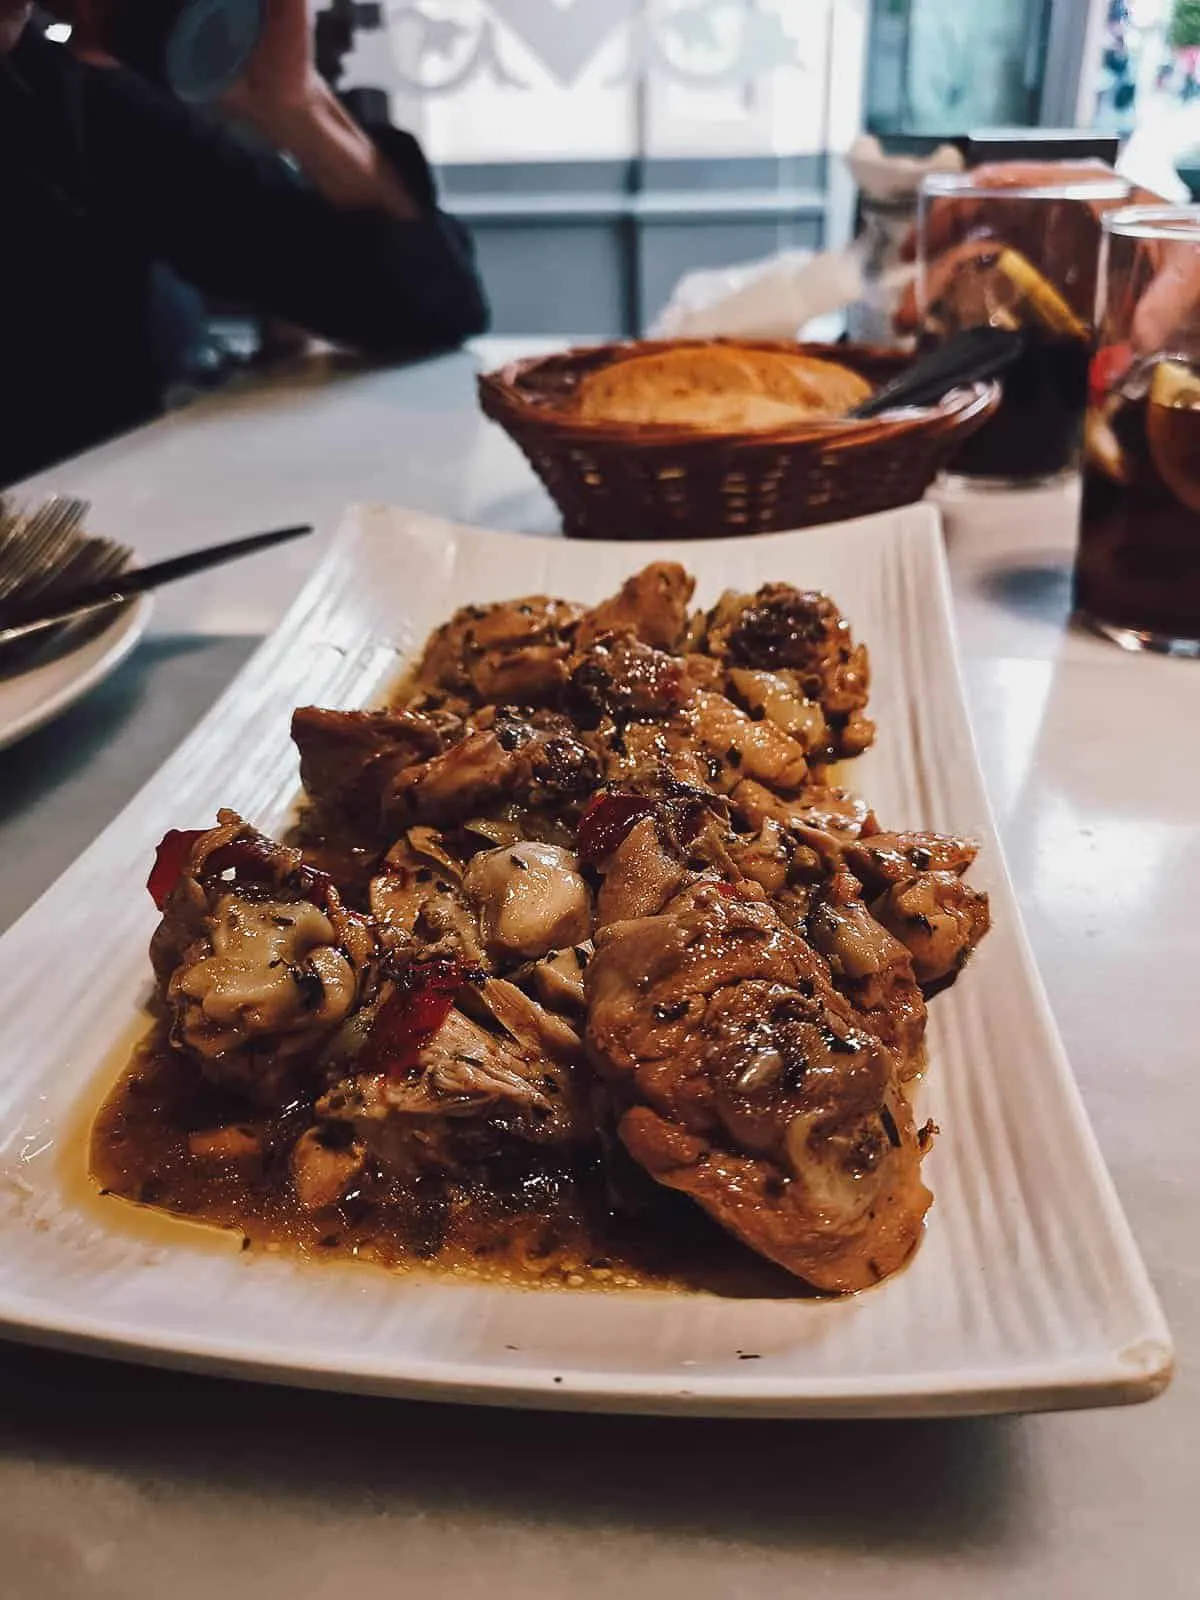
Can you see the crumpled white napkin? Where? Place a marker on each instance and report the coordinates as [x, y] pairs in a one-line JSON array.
[[770, 299]]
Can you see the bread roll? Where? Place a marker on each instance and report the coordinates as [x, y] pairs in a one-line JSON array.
[[720, 388]]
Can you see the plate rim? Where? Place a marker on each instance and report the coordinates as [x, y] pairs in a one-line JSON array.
[[1113, 1377], [123, 633], [1038, 1386]]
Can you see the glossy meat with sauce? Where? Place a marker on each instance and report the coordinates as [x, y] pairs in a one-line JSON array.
[[257, 958], [652, 605], [348, 759], [803, 639], [412, 1051], [513, 652], [496, 1081], [506, 756], [870, 966], [587, 899], [748, 1082]]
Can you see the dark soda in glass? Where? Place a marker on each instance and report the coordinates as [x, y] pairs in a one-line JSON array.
[[1019, 256], [1035, 432], [1137, 572]]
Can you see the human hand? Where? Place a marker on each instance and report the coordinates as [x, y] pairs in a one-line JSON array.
[[281, 75], [283, 96], [1171, 302]]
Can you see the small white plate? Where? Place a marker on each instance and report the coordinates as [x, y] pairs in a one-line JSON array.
[[30, 699], [1027, 1293]]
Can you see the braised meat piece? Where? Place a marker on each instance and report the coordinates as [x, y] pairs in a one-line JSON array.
[[779, 698], [769, 857], [939, 918], [873, 969], [832, 811], [349, 759], [536, 759], [708, 743], [503, 907], [325, 1163], [419, 904], [619, 678], [486, 1078], [511, 653], [887, 858], [783, 629], [652, 605], [257, 959], [917, 879], [643, 871], [654, 757], [530, 899], [745, 1080], [745, 749]]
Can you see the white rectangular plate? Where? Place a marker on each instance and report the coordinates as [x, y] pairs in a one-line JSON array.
[[1027, 1292]]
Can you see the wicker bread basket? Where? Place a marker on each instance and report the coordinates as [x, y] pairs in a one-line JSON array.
[[614, 481]]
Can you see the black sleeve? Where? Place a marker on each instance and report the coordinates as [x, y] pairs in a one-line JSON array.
[[240, 223]]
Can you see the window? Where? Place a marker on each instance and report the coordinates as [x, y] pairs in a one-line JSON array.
[[543, 80], [601, 148], [946, 66]]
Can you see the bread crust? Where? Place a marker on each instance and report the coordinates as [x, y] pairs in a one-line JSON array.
[[720, 388]]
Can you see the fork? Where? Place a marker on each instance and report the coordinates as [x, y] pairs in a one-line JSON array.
[[34, 546], [44, 553]]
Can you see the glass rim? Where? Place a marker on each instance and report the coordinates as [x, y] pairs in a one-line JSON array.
[[1178, 223], [1106, 185]]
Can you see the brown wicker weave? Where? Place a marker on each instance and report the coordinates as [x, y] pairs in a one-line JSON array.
[[614, 481]]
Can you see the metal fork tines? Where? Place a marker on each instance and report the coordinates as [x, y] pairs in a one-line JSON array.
[[46, 554], [36, 547], [86, 562]]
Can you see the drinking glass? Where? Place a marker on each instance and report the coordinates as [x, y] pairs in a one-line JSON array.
[[1137, 572], [1025, 258]]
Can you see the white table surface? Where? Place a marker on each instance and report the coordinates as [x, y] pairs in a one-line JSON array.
[[119, 1484]]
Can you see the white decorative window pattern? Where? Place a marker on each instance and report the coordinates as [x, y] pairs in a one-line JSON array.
[[538, 80]]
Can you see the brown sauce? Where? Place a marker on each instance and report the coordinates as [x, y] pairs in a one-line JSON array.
[[552, 1227]]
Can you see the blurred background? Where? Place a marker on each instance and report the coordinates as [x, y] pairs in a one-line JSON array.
[[638, 139], [601, 149]]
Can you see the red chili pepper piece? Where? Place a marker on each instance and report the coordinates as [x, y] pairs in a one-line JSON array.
[[170, 859], [247, 857], [608, 818], [606, 821], [411, 1016], [1108, 367], [735, 891], [253, 861]]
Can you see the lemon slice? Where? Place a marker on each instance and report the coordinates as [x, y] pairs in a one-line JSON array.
[[1173, 429], [1175, 384], [1103, 451], [1041, 295]]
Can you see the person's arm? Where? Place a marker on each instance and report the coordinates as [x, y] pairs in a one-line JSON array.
[[355, 251], [339, 159], [283, 97]]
